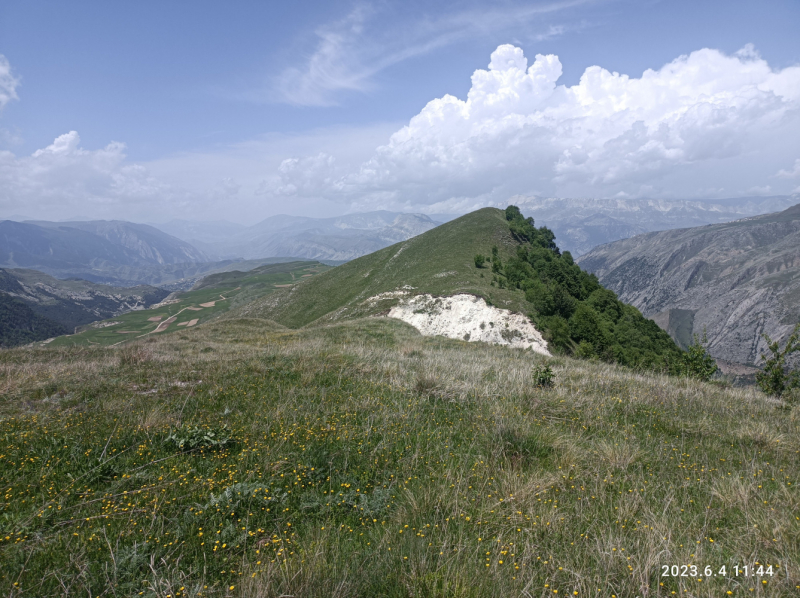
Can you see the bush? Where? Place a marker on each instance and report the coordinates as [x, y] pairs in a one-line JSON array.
[[479, 261], [697, 363], [774, 379], [543, 376]]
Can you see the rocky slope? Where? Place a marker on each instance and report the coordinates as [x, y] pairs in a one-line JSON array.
[[735, 281]]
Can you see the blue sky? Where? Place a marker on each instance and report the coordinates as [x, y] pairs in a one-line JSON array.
[[243, 110]]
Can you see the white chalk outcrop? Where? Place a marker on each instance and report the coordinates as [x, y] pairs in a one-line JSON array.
[[469, 318]]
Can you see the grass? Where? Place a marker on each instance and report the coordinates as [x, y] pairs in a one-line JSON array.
[[224, 290], [439, 262], [360, 459]]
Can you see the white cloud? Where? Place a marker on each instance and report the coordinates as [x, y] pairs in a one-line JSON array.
[[331, 68], [706, 120], [790, 174], [232, 182], [8, 83], [63, 178]]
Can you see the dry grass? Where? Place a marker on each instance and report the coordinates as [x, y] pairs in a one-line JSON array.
[[472, 482]]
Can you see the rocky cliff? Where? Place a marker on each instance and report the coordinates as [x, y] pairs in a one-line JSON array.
[[736, 281]]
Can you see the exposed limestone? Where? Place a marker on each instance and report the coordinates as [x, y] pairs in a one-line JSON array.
[[469, 318]]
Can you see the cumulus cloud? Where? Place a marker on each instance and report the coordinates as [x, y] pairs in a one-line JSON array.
[[63, 179], [8, 83], [706, 120]]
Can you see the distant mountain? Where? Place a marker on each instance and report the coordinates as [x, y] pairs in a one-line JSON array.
[[582, 224], [337, 239], [142, 244], [71, 303], [735, 280], [97, 250], [200, 233]]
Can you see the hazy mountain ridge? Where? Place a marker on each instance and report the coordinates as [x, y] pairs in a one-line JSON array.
[[146, 243], [340, 238], [582, 224], [113, 252], [735, 280]]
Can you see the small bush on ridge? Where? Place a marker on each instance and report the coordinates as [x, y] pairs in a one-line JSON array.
[[543, 376], [697, 363], [774, 379]]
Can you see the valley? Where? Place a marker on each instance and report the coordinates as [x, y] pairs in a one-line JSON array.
[[297, 427], [735, 281]]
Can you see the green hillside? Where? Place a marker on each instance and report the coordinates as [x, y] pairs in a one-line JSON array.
[[525, 273], [19, 324], [241, 459], [439, 262], [208, 299]]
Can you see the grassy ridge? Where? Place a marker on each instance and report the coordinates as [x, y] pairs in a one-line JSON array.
[[366, 460], [224, 290], [439, 262]]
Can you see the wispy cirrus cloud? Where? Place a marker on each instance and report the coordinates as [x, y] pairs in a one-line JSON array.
[[350, 52], [8, 83]]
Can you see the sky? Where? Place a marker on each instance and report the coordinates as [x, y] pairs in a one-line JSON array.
[[151, 111]]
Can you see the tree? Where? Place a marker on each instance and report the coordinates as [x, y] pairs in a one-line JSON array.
[[697, 363], [774, 379], [479, 260]]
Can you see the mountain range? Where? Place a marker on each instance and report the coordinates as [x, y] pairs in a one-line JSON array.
[[582, 224], [334, 239], [734, 281], [114, 252], [129, 254]]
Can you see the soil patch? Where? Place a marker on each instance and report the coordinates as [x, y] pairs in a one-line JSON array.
[[165, 324]]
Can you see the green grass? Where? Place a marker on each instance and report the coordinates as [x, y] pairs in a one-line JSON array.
[[225, 290], [439, 262], [361, 459]]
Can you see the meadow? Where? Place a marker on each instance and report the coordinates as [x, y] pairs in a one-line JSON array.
[[210, 298], [241, 458]]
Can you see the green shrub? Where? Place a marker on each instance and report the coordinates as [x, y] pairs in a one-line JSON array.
[[543, 376], [697, 363], [775, 379], [575, 313], [479, 260]]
